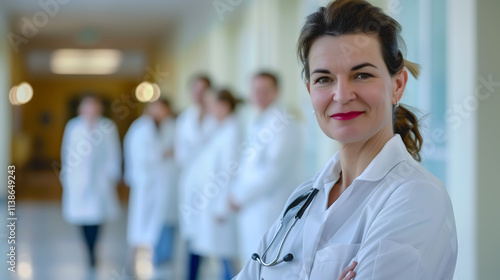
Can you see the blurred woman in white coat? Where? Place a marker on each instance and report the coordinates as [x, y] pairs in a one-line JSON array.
[[210, 177], [372, 212], [91, 170], [151, 173]]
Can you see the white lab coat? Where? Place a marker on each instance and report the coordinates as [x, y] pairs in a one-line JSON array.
[[91, 169], [152, 178], [209, 179], [191, 134], [270, 171], [396, 220], [191, 137]]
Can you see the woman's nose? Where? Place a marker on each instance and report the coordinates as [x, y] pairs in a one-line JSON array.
[[343, 92]]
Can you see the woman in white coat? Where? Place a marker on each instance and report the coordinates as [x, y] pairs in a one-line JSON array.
[[210, 178], [372, 212], [91, 170], [151, 173]]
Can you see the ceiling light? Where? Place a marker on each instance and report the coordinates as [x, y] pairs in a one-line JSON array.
[[85, 62]]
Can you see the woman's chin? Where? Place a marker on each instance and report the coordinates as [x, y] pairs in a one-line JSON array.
[[345, 135]]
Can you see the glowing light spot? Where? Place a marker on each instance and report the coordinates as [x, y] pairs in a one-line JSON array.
[[25, 271], [156, 93], [144, 91], [21, 94]]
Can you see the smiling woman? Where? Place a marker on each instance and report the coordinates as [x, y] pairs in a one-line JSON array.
[[372, 212], [374, 37]]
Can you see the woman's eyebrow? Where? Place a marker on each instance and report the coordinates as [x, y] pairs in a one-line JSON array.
[[320, 71], [357, 67]]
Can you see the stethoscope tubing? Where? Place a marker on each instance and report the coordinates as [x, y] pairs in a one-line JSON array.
[[298, 216]]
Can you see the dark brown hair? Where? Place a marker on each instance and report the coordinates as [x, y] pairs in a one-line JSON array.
[[269, 75], [164, 101], [201, 77], [226, 96], [342, 17]]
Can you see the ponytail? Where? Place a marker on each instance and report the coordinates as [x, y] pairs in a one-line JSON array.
[[413, 67], [406, 125]]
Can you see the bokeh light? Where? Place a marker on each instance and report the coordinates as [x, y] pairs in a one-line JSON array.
[[156, 93], [147, 92], [21, 94], [144, 91]]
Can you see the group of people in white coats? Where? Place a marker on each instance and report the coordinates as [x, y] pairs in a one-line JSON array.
[[201, 171], [232, 183], [372, 212]]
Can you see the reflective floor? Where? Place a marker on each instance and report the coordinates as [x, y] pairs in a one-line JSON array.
[[50, 249]]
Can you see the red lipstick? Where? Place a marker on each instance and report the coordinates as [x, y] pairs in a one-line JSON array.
[[346, 116]]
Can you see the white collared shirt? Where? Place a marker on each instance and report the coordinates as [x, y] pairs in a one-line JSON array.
[[395, 220]]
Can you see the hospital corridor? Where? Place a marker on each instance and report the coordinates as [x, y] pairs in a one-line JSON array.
[[249, 139]]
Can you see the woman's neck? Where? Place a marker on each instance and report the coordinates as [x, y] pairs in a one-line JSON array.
[[355, 157]]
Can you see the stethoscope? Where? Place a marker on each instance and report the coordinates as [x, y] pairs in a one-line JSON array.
[[308, 197]]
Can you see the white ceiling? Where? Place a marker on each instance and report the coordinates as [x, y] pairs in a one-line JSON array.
[[123, 24], [112, 16]]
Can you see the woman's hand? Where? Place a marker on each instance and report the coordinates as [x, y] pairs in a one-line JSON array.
[[348, 273]]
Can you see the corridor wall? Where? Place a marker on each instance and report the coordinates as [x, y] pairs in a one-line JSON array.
[[5, 107]]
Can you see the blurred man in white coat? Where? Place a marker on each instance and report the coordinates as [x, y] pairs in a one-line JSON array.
[[91, 170], [270, 167], [151, 173], [194, 128], [194, 124]]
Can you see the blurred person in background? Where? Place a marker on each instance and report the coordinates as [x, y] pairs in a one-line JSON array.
[[209, 179], [194, 124], [269, 165], [151, 173], [91, 170], [194, 128]]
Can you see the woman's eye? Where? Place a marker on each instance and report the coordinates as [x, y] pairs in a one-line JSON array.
[[363, 76], [322, 80]]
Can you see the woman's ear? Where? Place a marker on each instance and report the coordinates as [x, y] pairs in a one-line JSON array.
[[308, 88], [400, 80]]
